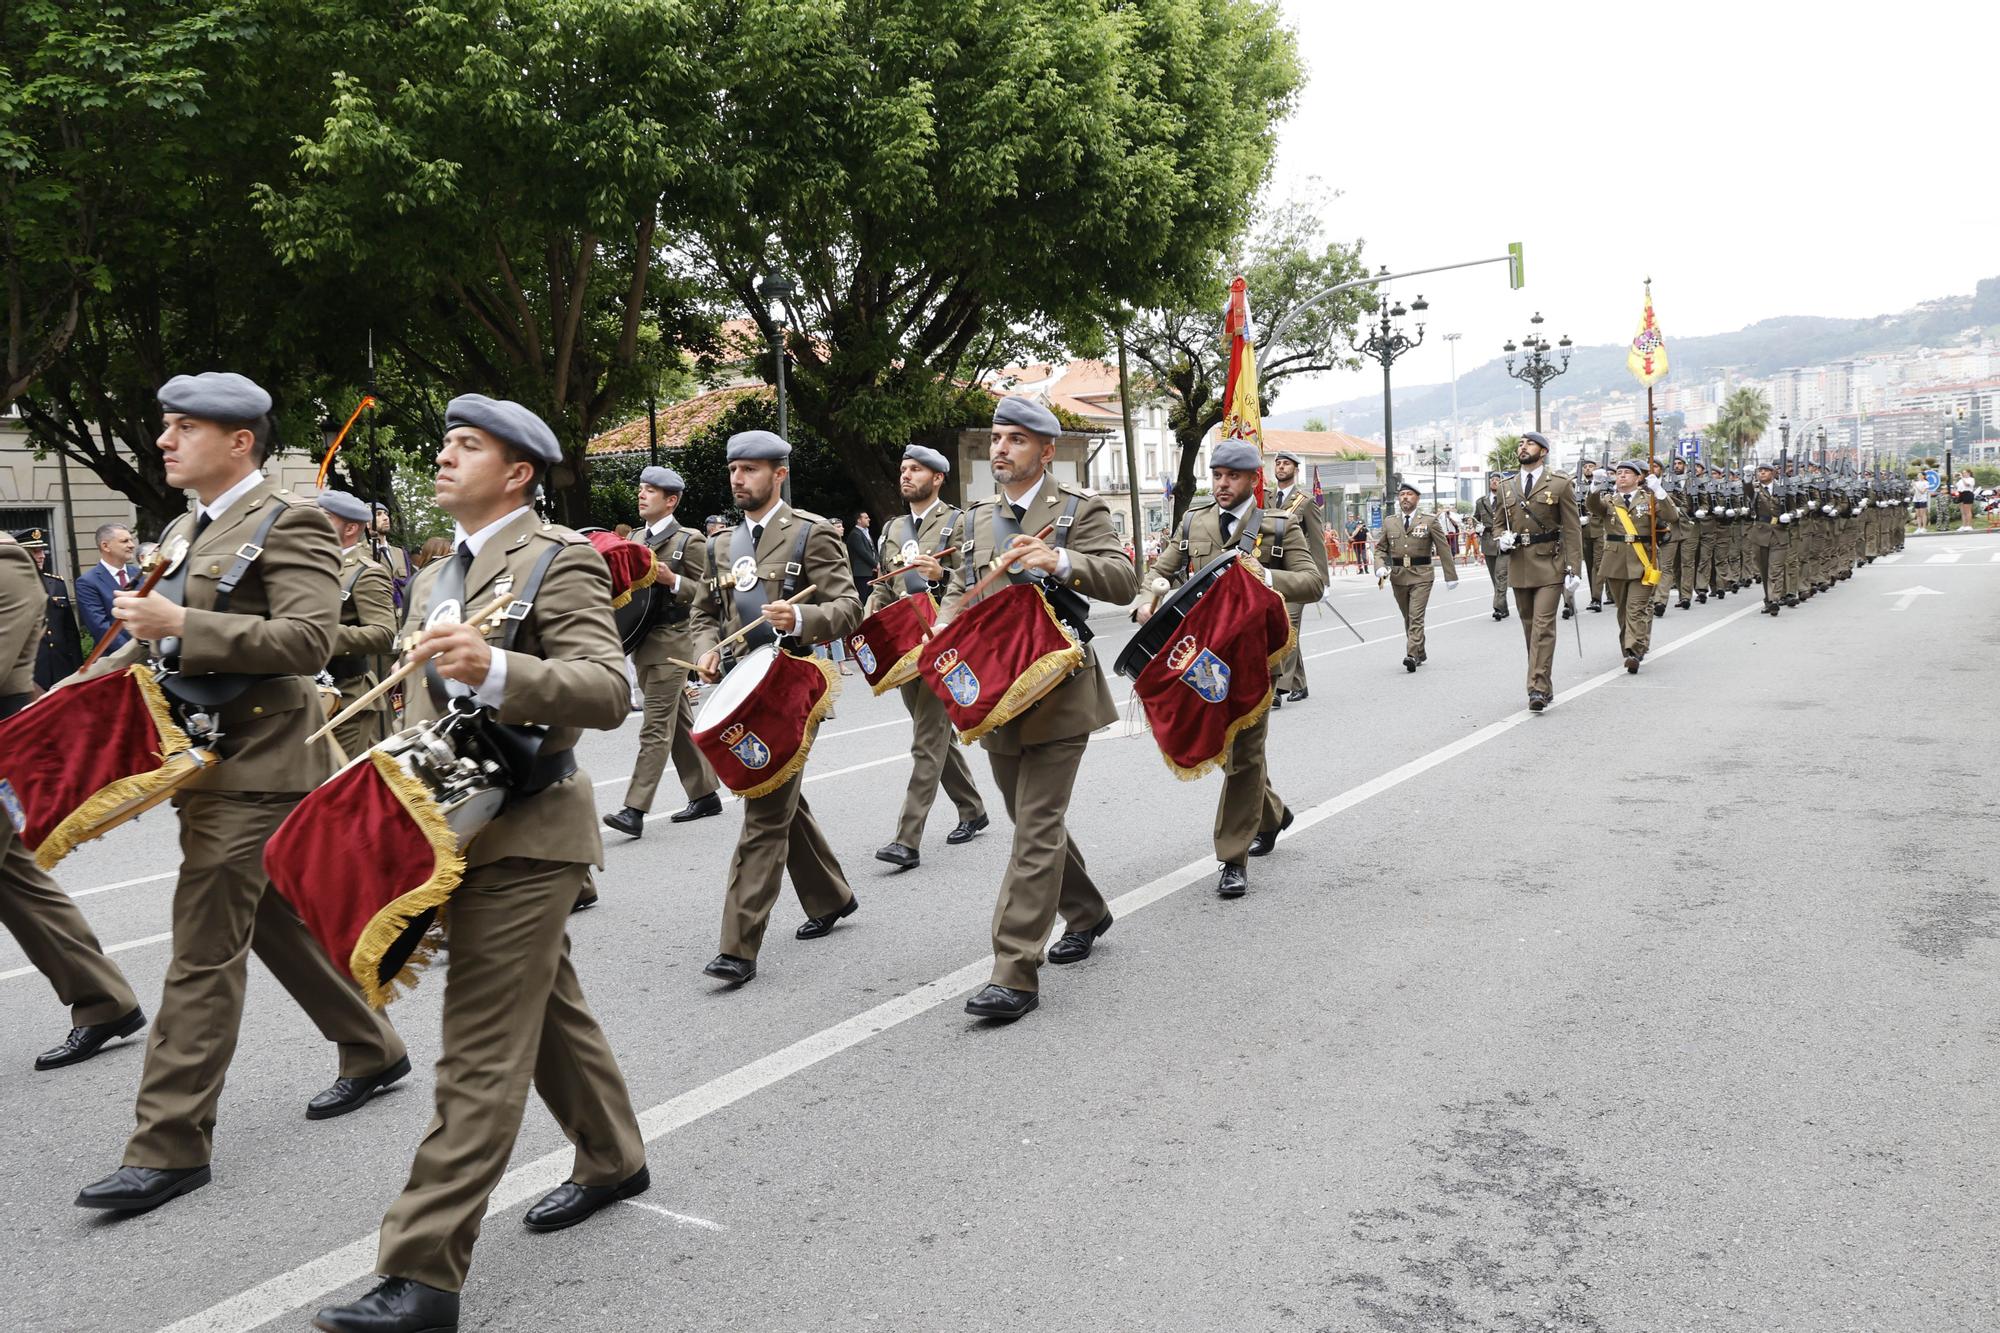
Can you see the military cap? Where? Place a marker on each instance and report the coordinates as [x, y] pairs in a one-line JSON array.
[[1409, 486], [662, 479], [30, 537], [1535, 437], [929, 457], [1633, 465], [215, 395], [342, 505], [757, 446], [1027, 414], [1238, 455], [1287, 453], [506, 421]]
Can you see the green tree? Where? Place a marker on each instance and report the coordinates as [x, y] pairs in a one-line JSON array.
[[1505, 455], [943, 181], [1315, 424], [1745, 416]]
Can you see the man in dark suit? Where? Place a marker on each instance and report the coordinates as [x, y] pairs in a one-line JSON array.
[[860, 538], [61, 650], [113, 573]]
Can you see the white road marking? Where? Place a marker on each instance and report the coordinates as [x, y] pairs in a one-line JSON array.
[[1906, 596], [679, 1219], [1429, 625], [1943, 558], [125, 883], [109, 948], [352, 1262]]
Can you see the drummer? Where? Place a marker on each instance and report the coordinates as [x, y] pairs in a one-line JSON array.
[[367, 628], [912, 544], [1035, 756], [1250, 815], [776, 552]]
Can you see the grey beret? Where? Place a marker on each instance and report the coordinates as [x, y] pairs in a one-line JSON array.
[[1535, 437], [1027, 414], [1287, 453], [757, 446], [929, 457], [1411, 487], [1238, 455], [1631, 464], [662, 478], [507, 421], [215, 395], [342, 505]]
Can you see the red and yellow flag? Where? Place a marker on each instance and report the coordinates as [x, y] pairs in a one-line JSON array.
[[1647, 358], [1242, 410]]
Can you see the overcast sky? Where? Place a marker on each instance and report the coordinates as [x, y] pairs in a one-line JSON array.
[[1756, 159]]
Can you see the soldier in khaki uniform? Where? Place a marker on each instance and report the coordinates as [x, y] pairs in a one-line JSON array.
[[1770, 533], [1249, 816], [1035, 757], [1486, 514], [1628, 516], [257, 594], [367, 628], [1293, 498], [776, 553], [1593, 540], [514, 1013], [911, 543], [1404, 553], [1678, 543], [680, 554], [1539, 509], [43, 919]]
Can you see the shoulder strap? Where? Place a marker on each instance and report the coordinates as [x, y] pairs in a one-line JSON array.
[[796, 566], [680, 551], [246, 556], [347, 588], [1064, 520], [517, 610]]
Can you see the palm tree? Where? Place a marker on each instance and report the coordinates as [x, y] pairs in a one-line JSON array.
[[1745, 416]]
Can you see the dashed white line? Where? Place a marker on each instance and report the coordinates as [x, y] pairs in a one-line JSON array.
[[679, 1219]]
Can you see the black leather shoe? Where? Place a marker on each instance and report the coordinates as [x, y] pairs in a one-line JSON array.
[[140, 1189], [730, 968], [1597, 606], [569, 1203], [1233, 882], [1684, 604], [1701, 597], [1265, 840], [84, 1042], [1277, 700], [701, 807], [1537, 701], [397, 1306], [1002, 1002], [967, 830], [347, 1094], [1499, 615], [896, 854], [1075, 945], [1659, 609], [1409, 664], [817, 927], [1632, 664], [1297, 696], [1770, 608], [1568, 611], [583, 904], [628, 821]]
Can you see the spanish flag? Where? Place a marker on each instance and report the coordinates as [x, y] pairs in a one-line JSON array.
[[1242, 410], [1647, 359]]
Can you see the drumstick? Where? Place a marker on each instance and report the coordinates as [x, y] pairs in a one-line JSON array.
[[762, 620], [904, 569], [153, 576], [401, 674]]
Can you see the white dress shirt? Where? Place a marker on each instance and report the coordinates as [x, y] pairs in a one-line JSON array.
[[492, 690]]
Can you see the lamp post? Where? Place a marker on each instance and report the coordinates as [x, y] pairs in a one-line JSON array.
[[1452, 340], [775, 290], [1386, 342], [1537, 369]]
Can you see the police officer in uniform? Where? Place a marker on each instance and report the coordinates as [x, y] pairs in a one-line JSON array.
[[1539, 509], [777, 552], [680, 554], [61, 649], [514, 1013], [1486, 514], [911, 544], [1404, 553], [1250, 815], [1035, 757], [1293, 498], [367, 628], [255, 593], [43, 919], [1629, 517]]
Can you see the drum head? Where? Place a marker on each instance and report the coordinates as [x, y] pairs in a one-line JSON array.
[[1173, 609], [632, 618], [735, 687]]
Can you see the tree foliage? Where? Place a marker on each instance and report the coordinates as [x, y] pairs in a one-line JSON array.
[[1505, 456], [1745, 416]]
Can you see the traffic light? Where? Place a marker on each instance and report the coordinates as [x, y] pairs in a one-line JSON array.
[[1515, 278]]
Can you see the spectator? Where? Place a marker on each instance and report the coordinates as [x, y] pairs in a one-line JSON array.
[[1920, 501], [713, 524], [861, 551], [113, 573], [432, 549], [1357, 545], [1967, 489], [624, 530]]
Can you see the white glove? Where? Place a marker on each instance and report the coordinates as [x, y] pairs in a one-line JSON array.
[[1508, 540], [1861, 504], [1571, 583], [1827, 510], [1701, 513], [1659, 491], [1784, 518], [1450, 584]]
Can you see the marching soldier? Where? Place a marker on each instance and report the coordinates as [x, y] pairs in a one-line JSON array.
[[255, 592], [912, 544], [1487, 515], [1706, 498], [1770, 536], [1292, 497], [776, 552], [367, 628], [387, 554], [1677, 543], [43, 919], [61, 649], [1410, 541], [1036, 755], [1593, 540], [679, 555], [514, 1013], [1734, 541], [1539, 509], [1249, 816], [1628, 517]]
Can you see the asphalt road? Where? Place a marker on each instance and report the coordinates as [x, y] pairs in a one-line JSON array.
[[1671, 1008]]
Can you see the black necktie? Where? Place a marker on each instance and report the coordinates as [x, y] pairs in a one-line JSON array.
[[1228, 523], [201, 522], [1020, 512], [464, 559], [756, 537]]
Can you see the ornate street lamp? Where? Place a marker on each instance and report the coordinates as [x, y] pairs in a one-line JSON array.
[[1537, 368], [1385, 343], [775, 290]]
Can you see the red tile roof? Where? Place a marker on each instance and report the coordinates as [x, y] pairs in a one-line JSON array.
[[677, 422]]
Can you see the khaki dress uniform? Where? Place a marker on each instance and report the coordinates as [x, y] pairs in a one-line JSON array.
[[1249, 805], [1593, 547], [663, 732], [367, 631], [1035, 757], [1409, 546], [279, 626], [44, 920], [514, 1013], [1769, 534], [1306, 515], [1549, 544], [1707, 503], [1678, 544], [1624, 569], [934, 755], [779, 832], [1486, 513]]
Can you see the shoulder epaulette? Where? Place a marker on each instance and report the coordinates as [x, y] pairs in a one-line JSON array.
[[1068, 489], [807, 515], [556, 532], [1201, 502]]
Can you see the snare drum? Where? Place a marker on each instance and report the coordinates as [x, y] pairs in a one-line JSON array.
[[1159, 631], [887, 644], [756, 727], [998, 659]]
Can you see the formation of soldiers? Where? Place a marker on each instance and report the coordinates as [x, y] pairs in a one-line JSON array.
[[292, 598]]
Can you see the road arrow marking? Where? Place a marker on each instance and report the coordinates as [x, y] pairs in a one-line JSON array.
[[1909, 595]]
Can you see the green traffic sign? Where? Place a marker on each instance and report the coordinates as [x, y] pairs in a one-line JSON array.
[[1514, 275]]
